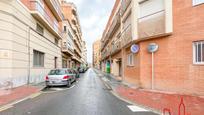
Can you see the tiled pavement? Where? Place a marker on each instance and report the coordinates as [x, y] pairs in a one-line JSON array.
[[191, 105], [11, 95]]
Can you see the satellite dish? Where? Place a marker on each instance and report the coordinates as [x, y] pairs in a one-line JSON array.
[[153, 47], [134, 48]]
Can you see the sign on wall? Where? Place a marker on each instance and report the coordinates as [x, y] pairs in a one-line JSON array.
[[134, 48]]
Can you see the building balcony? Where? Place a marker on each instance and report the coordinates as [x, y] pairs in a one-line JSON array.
[[38, 12], [78, 45], [114, 26], [126, 35], [151, 25], [124, 5], [67, 49], [66, 46], [106, 53], [78, 52], [76, 58], [54, 5], [116, 46]]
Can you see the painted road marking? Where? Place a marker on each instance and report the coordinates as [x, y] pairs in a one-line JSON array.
[[55, 90], [5, 107], [35, 95], [134, 108], [105, 79]]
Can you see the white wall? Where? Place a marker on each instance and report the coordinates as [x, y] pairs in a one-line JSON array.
[[14, 40]]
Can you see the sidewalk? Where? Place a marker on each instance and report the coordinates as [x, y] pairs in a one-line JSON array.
[[158, 100], [11, 95]]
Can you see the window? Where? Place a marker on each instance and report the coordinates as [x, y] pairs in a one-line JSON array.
[[150, 7], [39, 29], [197, 2], [198, 52], [38, 59], [56, 41], [55, 62], [65, 28], [130, 60]]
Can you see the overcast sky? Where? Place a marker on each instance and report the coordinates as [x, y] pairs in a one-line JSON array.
[[93, 15]]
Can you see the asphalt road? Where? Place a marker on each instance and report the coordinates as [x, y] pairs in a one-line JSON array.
[[88, 96]]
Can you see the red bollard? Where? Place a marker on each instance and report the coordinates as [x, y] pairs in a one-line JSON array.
[[184, 108]]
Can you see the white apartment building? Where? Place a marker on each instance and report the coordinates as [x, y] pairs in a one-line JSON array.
[[30, 35]]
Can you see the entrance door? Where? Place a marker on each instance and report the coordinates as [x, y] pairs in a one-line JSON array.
[[120, 68]]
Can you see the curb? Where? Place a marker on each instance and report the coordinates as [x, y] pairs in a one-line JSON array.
[[11, 104], [108, 86], [133, 103], [31, 96], [129, 101]]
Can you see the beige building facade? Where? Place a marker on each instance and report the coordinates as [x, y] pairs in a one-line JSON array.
[[96, 54], [34, 40], [29, 42], [70, 14]]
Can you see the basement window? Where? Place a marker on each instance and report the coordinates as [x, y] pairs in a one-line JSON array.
[[198, 52]]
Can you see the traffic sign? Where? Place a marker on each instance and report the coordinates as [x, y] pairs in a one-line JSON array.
[[153, 47], [134, 48]]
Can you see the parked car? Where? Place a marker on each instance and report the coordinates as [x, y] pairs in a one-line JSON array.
[[76, 72], [60, 77], [81, 70]]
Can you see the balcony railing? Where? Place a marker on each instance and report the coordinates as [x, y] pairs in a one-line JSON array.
[[66, 48], [124, 5], [54, 4], [126, 35], [151, 25], [115, 24], [52, 22], [116, 46], [106, 53]]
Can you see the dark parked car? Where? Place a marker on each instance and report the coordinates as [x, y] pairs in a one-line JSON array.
[[81, 70]]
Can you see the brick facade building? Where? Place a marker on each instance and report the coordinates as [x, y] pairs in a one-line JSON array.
[[177, 27]]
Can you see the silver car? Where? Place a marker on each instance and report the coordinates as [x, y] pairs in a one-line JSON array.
[[60, 77]]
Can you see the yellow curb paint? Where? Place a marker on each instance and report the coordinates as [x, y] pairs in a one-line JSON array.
[[5, 107]]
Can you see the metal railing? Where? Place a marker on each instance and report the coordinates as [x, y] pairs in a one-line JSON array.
[[124, 6], [116, 45], [126, 35], [115, 24], [66, 47], [57, 7]]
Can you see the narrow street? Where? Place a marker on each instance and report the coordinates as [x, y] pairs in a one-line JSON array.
[[88, 96]]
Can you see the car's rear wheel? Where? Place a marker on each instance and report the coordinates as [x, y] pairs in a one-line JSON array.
[[47, 86], [68, 83]]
